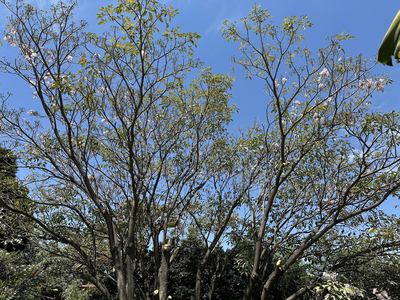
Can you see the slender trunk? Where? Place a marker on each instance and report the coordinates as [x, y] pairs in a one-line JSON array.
[[254, 274], [212, 286], [198, 283], [163, 270], [270, 282], [98, 284], [130, 252], [215, 277], [300, 292]]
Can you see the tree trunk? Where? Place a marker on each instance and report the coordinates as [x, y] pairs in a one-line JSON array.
[[198, 283], [254, 274], [163, 271], [270, 282]]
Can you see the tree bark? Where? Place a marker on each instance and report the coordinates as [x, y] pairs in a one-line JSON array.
[[163, 271]]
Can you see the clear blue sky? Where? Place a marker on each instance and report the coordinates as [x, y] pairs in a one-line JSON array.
[[367, 20]]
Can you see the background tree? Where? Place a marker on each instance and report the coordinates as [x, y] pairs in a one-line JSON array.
[[13, 233]]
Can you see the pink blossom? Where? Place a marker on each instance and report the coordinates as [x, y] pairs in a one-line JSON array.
[[297, 102], [32, 112], [144, 54], [284, 80], [321, 86], [361, 85], [100, 90], [324, 72]]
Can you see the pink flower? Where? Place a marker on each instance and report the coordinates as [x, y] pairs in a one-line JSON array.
[[361, 85], [321, 86], [297, 102], [144, 54], [324, 72], [32, 113], [284, 80], [100, 90]]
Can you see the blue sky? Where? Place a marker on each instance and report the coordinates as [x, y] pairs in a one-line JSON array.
[[367, 20]]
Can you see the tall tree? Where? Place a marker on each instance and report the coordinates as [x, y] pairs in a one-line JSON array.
[[327, 158], [117, 145]]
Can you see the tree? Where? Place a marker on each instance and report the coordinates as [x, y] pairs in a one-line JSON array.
[[327, 158], [13, 237], [120, 146]]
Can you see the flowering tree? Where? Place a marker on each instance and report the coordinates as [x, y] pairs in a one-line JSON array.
[[327, 160], [117, 146]]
